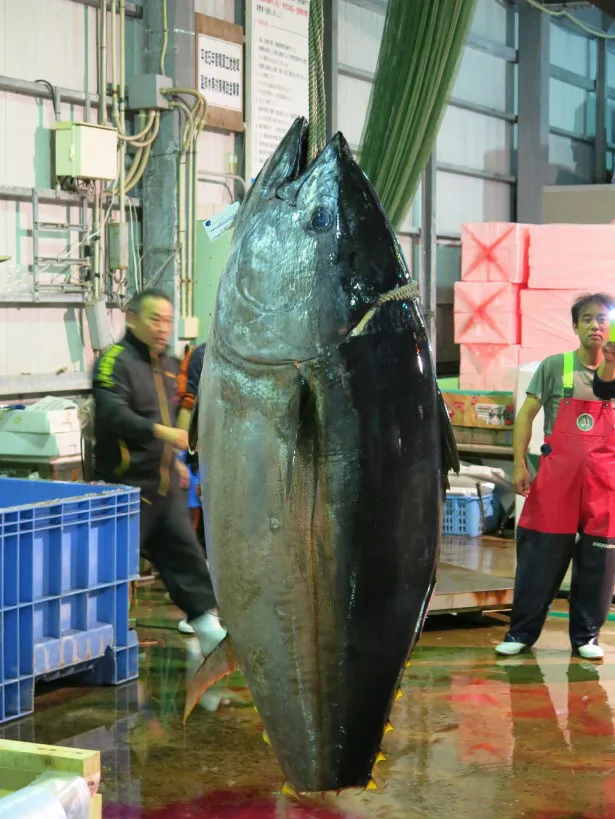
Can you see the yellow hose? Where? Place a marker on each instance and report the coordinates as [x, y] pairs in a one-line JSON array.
[[132, 182], [135, 138], [151, 137], [141, 158]]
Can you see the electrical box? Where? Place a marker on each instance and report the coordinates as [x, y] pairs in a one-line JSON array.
[[189, 327], [145, 92], [99, 325], [86, 151], [118, 245]]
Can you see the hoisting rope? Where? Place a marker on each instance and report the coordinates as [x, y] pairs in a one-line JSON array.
[[403, 293], [317, 137], [317, 131]]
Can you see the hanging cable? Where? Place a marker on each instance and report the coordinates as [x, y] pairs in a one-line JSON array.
[[55, 97], [595, 32]]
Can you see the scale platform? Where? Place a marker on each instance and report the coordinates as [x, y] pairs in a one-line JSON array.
[[461, 589]]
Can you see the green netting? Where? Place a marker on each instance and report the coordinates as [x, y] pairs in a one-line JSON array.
[[419, 55]]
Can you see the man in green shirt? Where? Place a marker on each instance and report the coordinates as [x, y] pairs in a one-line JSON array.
[[569, 512]]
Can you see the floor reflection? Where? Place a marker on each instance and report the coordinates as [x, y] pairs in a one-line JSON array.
[[474, 737]]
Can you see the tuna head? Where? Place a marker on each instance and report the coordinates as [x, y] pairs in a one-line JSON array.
[[311, 253]]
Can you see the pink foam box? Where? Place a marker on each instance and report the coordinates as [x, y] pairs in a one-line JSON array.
[[494, 252], [527, 355], [566, 257], [486, 313], [546, 319], [490, 382], [488, 366]]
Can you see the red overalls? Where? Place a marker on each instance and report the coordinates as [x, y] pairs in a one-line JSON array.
[[573, 493]]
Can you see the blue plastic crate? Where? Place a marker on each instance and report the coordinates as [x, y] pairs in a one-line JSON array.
[[462, 514], [68, 553]]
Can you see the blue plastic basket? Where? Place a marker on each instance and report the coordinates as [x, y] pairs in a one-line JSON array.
[[462, 514], [68, 552]]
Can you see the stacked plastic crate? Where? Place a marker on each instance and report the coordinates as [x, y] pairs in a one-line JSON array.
[[494, 270], [564, 262], [68, 553]]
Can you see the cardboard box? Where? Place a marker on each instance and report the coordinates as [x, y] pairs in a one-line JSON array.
[[484, 437], [477, 409]]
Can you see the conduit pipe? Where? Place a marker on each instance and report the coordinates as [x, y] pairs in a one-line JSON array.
[[102, 67], [122, 111], [165, 38], [102, 120], [187, 182], [194, 209], [181, 202]]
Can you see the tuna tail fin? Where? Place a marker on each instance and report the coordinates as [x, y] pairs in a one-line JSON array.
[[193, 428], [220, 663], [450, 455]]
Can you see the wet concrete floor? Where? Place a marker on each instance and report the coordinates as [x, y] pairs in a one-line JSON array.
[[474, 737]]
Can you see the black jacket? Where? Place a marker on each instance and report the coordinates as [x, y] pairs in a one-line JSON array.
[[195, 367], [605, 390], [133, 389]]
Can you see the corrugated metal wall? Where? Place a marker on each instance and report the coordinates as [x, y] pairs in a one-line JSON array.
[[55, 40]]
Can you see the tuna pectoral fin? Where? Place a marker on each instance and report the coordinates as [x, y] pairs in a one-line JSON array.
[[220, 663], [301, 414], [450, 455], [193, 428]]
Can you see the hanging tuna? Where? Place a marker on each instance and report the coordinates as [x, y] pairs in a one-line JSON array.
[[326, 445]]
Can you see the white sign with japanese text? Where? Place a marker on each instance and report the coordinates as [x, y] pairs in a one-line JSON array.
[[279, 92], [221, 72]]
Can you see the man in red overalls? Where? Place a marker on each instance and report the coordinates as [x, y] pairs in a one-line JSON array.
[[569, 513]]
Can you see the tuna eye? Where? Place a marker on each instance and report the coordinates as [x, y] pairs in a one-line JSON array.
[[321, 220]]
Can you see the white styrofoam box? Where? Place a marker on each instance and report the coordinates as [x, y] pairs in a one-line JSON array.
[[524, 377], [536, 441], [48, 416], [33, 446], [467, 487]]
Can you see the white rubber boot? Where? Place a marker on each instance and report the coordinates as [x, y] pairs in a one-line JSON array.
[[184, 627], [209, 632], [509, 649], [591, 651]]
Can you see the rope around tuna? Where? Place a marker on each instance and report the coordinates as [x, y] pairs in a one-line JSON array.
[[403, 293], [317, 136]]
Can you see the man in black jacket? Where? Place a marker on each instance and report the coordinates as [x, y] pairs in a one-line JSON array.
[[134, 391]]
